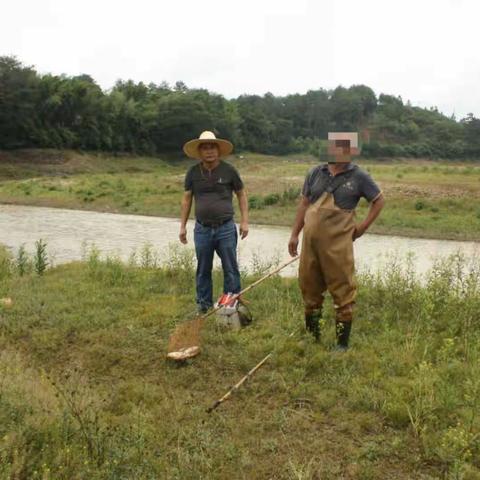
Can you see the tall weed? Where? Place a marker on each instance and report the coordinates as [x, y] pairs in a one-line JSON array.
[[6, 264], [40, 258], [23, 262]]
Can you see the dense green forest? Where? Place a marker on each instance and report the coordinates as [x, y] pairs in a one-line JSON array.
[[57, 111]]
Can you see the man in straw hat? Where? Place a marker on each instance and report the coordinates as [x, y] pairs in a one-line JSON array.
[[211, 183], [326, 214]]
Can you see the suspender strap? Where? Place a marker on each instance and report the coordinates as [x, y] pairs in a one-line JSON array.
[[338, 181]]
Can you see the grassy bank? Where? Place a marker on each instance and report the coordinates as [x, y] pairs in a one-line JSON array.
[[425, 199], [85, 391]]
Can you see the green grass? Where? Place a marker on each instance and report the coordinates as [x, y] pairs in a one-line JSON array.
[[86, 392], [424, 199]]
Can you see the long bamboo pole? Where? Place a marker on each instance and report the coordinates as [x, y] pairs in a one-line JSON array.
[[242, 381]]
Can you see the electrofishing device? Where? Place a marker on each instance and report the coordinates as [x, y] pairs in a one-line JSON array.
[[184, 342], [232, 312]]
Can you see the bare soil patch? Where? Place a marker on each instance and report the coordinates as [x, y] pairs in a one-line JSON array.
[[437, 191]]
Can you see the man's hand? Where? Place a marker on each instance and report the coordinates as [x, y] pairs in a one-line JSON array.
[[184, 214], [243, 230], [358, 232], [374, 211], [293, 246], [183, 235]]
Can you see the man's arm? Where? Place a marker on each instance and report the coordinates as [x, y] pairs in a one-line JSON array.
[[243, 204], [374, 211], [297, 226], [186, 206]]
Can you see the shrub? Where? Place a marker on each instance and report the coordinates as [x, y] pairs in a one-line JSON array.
[[256, 203], [290, 194], [271, 199]]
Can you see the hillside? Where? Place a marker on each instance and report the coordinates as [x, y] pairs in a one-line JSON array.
[[57, 111]]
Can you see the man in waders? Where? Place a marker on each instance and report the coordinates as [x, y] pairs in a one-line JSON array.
[[211, 183], [326, 214]]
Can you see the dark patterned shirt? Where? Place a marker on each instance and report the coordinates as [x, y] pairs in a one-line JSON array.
[[212, 191], [358, 184]]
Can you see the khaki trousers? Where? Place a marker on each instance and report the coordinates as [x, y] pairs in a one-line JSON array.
[[326, 259]]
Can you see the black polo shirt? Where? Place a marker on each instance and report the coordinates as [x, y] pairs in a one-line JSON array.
[[357, 184], [212, 191]]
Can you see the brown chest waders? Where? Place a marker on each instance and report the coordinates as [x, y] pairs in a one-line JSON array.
[[327, 263]]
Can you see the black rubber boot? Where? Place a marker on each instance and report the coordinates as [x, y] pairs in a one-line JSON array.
[[312, 323], [343, 334]]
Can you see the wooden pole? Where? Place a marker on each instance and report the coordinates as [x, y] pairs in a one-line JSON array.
[[242, 381]]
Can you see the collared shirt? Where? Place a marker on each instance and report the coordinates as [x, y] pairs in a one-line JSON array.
[[212, 191], [358, 184]]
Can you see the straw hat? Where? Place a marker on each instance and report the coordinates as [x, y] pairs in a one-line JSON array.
[[191, 148]]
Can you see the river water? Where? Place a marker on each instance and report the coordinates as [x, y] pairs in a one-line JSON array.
[[68, 231]]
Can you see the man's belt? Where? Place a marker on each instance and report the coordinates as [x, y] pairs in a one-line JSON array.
[[213, 224]]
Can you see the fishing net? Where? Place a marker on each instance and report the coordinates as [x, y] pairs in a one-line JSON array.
[[185, 340]]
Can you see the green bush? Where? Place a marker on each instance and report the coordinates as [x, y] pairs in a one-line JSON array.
[[271, 199], [291, 194], [255, 202]]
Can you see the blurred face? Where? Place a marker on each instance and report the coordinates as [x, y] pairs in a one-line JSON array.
[[208, 152], [339, 150]]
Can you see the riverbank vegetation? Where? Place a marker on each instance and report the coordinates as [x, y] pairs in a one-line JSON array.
[[86, 392], [425, 199], [57, 111]]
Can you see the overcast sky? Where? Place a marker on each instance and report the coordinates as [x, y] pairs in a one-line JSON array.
[[427, 51]]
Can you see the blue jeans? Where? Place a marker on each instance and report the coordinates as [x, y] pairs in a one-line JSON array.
[[223, 240]]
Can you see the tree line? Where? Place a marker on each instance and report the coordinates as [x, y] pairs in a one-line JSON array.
[[59, 111]]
